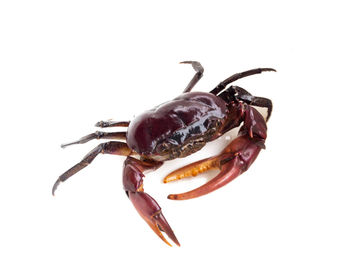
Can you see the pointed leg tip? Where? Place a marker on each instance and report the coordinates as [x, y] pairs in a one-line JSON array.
[[69, 144], [188, 62], [54, 188], [269, 69]]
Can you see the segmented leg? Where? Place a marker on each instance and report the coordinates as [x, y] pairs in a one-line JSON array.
[[97, 135], [235, 159], [105, 124], [235, 93], [146, 206], [199, 73], [112, 147], [221, 86]]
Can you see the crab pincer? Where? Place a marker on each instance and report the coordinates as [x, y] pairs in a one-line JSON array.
[[231, 164], [145, 205], [235, 159], [151, 212]]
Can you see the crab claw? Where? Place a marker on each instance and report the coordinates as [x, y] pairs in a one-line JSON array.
[[234, 160], [151, 212], [145, 205]]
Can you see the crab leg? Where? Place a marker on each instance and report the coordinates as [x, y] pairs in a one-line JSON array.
[[238, 93], [221, 86], [145, 205], [105, 124], [235, 159], [199, 73], [112, 147], [97, 135]]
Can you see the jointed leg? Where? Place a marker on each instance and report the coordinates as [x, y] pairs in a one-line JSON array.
[[199, 73], [221, 86], [255, 100], [112, 147], [97, 135], [105, 124], [103, 135], [235, 93]]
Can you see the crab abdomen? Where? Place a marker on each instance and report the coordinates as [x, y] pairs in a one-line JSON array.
[[177, 128]]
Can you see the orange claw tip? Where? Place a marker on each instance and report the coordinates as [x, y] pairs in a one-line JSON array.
[[173, 197], [180, 196], [171, 178]]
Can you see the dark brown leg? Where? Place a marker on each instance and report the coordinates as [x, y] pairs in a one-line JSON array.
[[199, 73], [105, 124], [112, 147], [221, 86], [235, 93], [258, 101], [97, 135]]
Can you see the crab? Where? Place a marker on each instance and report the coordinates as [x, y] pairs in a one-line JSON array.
[[176, 129]]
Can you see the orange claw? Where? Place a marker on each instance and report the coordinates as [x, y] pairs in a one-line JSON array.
[[193, 169], [234, 160]]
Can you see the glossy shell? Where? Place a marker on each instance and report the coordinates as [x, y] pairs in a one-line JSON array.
[[177, 128]]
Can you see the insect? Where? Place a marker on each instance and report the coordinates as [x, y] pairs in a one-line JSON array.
[[176, 129]]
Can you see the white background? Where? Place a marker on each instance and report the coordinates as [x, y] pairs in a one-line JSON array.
[[64, 65]]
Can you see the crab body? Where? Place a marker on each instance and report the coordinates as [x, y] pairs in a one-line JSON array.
[[176, 129]]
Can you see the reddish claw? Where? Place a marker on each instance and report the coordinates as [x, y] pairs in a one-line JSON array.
[[235, 159], [146, 206], [151, 212]]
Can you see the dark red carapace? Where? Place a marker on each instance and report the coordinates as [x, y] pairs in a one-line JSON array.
[[178, 128]]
